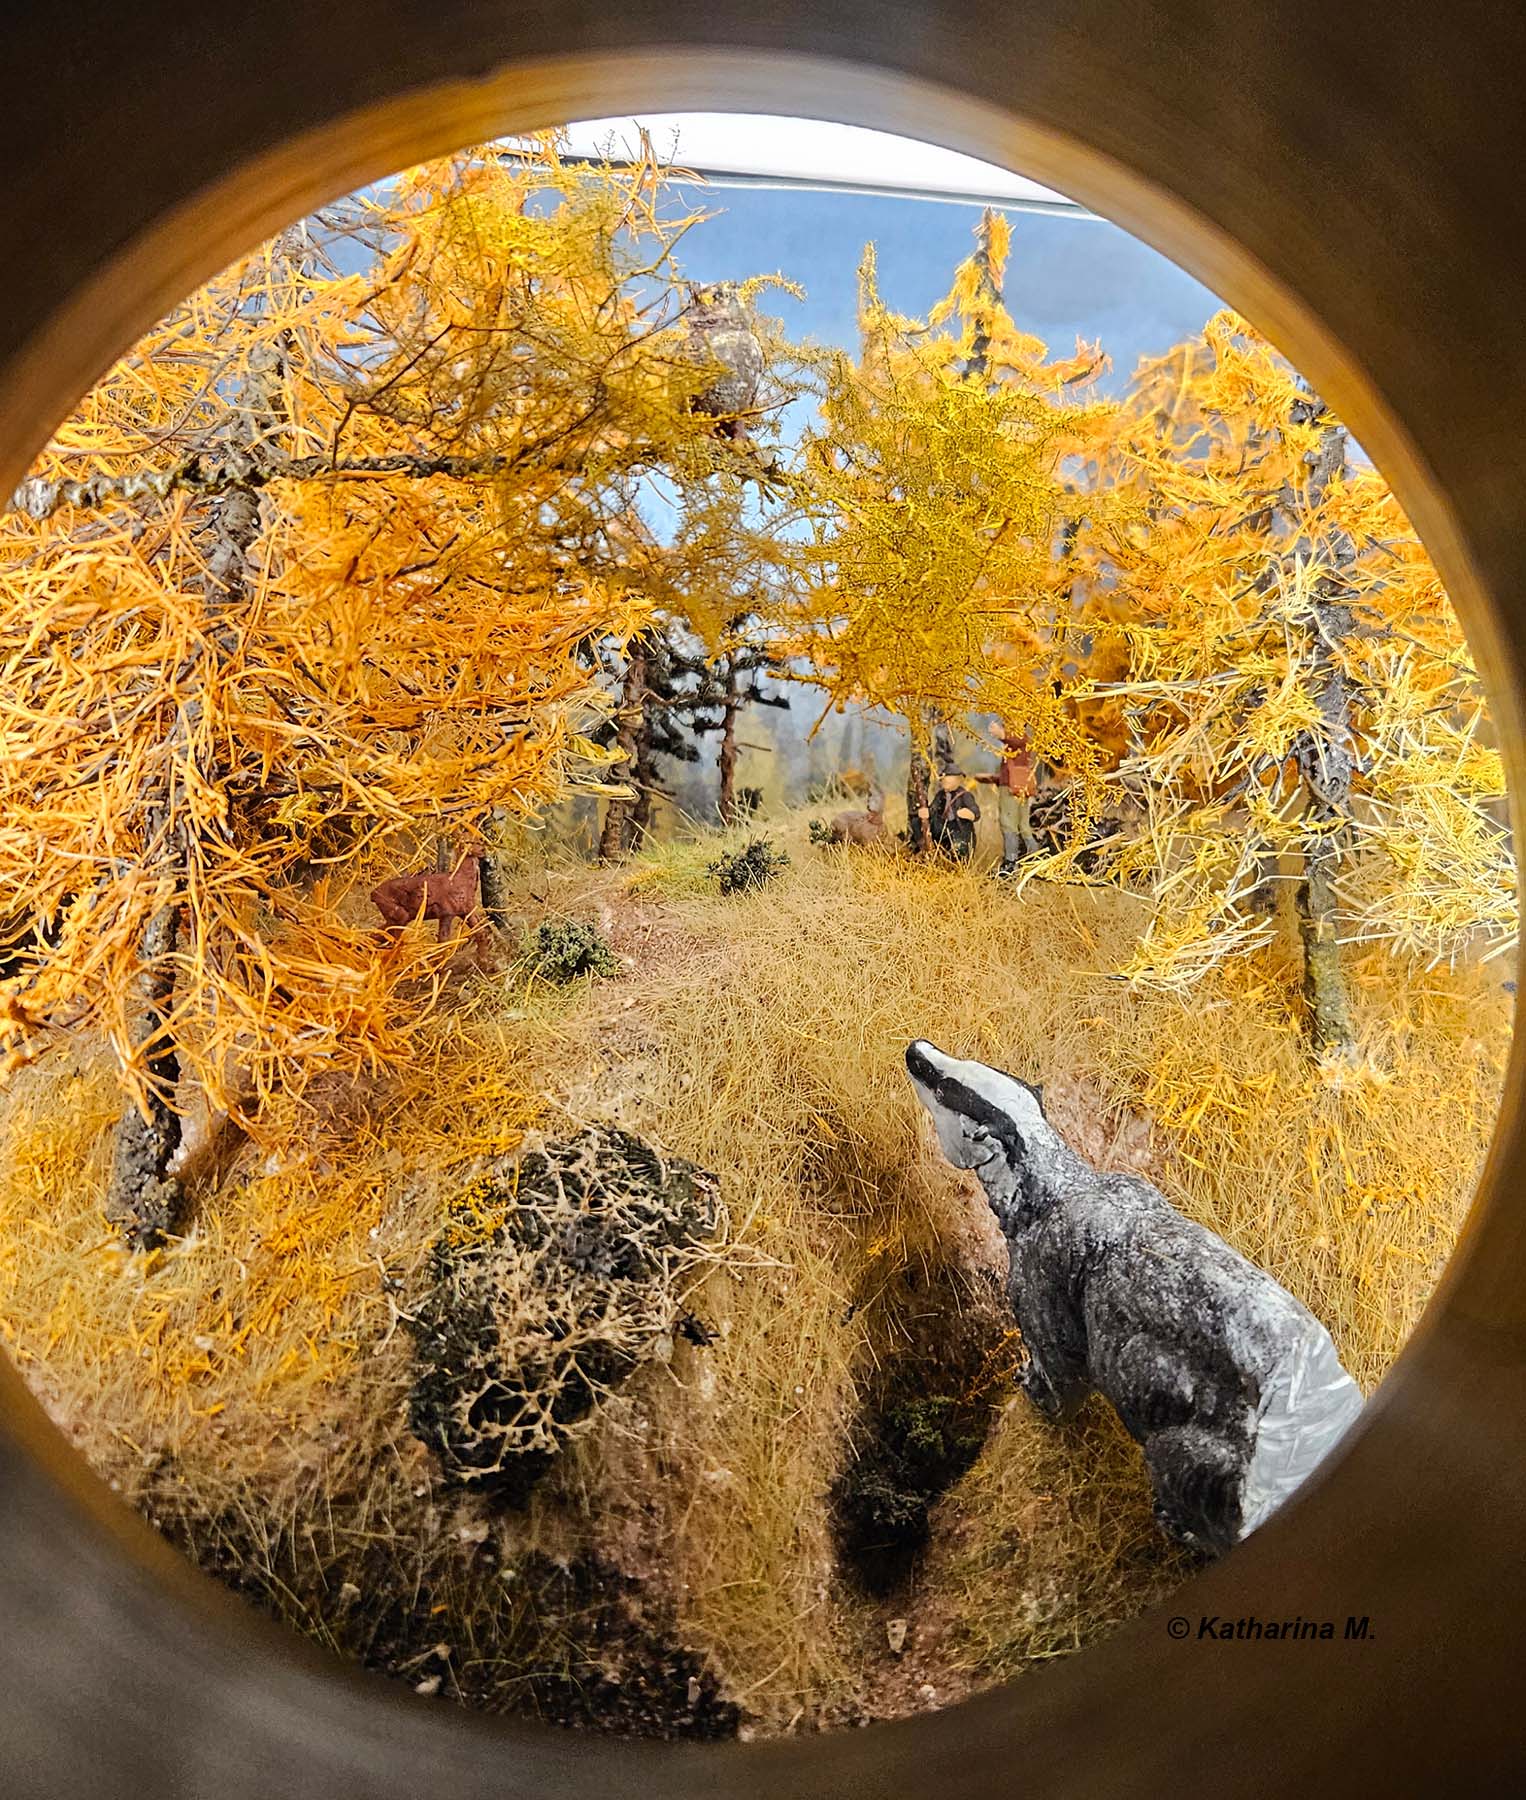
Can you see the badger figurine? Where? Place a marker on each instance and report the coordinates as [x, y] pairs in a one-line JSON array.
[[1231, 1386]]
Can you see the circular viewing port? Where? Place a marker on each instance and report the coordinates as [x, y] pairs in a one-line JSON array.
[[726, 1019], [736, 1002]]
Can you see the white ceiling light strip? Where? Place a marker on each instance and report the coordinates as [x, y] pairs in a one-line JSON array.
[[755, 151]]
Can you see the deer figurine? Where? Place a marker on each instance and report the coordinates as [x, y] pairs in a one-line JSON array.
[[860, 827], [434, 895]]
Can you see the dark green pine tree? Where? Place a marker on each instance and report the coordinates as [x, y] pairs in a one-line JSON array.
[[732, 682], [672, 693]]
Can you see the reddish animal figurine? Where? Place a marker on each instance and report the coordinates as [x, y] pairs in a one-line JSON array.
[[866, 827], [446, 898]]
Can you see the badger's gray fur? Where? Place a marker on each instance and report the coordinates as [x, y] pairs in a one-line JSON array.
[[1232, 1386]]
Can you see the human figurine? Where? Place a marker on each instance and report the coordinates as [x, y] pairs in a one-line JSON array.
[[1016, 783], [951, 817]]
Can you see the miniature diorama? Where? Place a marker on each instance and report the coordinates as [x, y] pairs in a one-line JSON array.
[[728, 1004]]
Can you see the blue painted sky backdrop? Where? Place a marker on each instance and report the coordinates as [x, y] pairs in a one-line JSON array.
[[1066, 277]]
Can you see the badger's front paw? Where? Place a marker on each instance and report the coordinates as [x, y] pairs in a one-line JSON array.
[[1182, 1535], [1054, 1402], [1039, 1393]]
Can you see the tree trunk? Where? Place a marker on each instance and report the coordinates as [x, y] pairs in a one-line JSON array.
[[727, 761], [1263, 896], [236, 526], [144, 1199], [1324, 981], [978, 366], [495, 897], [645, 772], [494, 878], [1327, 760], [619, 815], [918, 798], [943, 746]]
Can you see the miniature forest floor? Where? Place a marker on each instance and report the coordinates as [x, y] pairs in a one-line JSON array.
[[837, 1509]]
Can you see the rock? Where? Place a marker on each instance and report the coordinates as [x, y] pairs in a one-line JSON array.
[[895, 1635]]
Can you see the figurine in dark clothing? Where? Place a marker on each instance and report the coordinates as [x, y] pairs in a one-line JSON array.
[[951, 818]]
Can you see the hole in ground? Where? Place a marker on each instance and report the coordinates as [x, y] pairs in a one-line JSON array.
[[942, 1375]]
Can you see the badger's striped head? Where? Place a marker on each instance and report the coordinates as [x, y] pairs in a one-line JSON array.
[[983, 1117]]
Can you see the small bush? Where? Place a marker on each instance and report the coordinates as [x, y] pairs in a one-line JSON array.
[[553, 1278], [749, 867], [566, 949]]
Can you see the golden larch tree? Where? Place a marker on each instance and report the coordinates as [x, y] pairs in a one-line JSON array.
[[934, 582], [315, 573], [1299, 699]]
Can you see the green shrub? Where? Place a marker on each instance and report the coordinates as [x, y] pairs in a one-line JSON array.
[[566, 949], [749, 867]]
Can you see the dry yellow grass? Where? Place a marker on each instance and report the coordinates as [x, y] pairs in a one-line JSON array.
[[247, 1385]]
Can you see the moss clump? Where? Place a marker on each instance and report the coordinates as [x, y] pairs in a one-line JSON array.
[[916, 1452], [552, 1279], [565, 949], [750, 867]]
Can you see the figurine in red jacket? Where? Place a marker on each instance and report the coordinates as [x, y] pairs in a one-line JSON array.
[[1016, 782]]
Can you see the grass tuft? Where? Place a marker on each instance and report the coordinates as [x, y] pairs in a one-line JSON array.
[[563, 950]]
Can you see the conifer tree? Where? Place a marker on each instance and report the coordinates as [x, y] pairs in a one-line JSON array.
[[934, 584], [1295, 687], [305, 583], [732, 681]]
